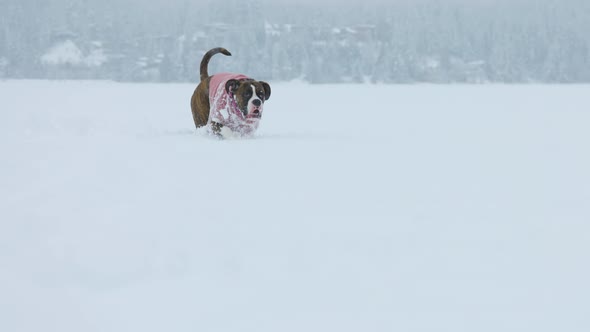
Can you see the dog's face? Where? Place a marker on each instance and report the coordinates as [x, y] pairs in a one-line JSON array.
[[250, 96]]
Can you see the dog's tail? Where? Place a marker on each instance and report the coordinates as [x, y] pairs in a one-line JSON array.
[[207, 57]]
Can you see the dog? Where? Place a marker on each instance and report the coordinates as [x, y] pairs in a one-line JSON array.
[[229, 104]]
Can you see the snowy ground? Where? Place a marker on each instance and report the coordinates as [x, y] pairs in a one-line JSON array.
[[356, 208]]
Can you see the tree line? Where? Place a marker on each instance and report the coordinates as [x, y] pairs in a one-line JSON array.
[[399, 42]]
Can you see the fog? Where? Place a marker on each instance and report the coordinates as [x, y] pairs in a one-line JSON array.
[[328, 41]]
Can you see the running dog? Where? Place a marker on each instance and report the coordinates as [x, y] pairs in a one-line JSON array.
[[229, 104]]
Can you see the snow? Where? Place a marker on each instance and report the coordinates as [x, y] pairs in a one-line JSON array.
[[68, 53], [271, 29], [65, 53], [96, 58], [355, 208]]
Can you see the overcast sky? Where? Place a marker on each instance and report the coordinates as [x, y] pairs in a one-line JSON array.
[[365, 2], [174, 3]]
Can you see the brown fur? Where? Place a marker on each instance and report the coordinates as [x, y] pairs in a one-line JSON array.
[[200, 100], [200, 105]]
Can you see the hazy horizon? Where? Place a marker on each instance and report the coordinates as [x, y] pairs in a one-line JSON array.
[[440, 41]]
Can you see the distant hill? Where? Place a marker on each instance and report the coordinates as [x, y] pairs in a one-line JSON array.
[[400, 42]]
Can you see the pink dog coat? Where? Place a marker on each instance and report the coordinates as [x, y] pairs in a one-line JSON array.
[[224, 108]]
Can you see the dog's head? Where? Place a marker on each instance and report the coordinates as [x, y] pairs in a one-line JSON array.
[[249, 95]]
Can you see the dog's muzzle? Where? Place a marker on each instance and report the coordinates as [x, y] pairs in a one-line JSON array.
[[256, 113]]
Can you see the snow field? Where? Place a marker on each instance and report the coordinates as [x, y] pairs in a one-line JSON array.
[[355, 208]]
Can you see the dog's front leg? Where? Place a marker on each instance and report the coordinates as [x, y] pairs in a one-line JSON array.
[[216, 129]]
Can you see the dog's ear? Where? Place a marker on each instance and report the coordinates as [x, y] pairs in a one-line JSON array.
[[266, 87], [231, 86]]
